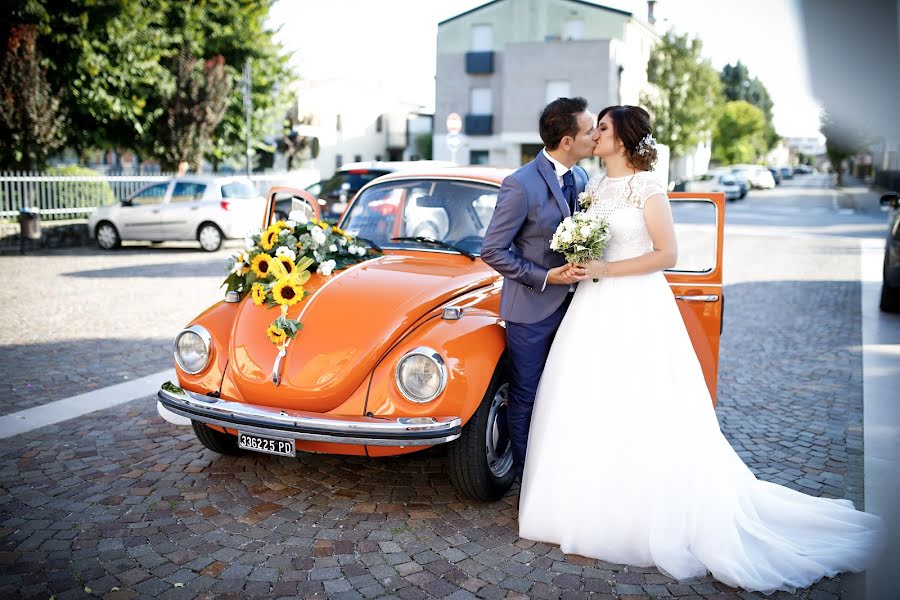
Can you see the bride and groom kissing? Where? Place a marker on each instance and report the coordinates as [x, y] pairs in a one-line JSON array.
[[625, 459]]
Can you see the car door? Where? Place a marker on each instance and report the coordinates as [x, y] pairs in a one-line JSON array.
[[139, 217], [696, 280], [181, 215]]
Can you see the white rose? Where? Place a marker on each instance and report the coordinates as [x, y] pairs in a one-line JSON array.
[[326, 267], [248, 244], [585, 231], [361, 250], [290, 223], [565, 237], [318, 236], [351, 249], [299, 217], [342, 241], [285, 251]]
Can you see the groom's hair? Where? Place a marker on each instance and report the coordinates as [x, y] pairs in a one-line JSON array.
[[559, 119]]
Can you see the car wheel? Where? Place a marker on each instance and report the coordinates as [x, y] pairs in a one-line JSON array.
[[107, 236], [480, 460], [210, 237], [890, 296], [218, 442]]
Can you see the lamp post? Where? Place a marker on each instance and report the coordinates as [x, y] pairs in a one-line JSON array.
[[248, 107]]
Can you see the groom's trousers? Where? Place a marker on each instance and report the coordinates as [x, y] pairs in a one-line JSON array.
[[528, 345]]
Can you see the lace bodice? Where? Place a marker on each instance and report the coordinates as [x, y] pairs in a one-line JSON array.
[[620, 200]]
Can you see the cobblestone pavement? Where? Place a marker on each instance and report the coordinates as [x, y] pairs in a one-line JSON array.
[[120, 504]]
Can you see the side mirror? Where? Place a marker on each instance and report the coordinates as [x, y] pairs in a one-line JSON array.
[[890, 199]]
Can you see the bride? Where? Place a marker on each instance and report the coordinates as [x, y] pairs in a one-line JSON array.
[[626, 462]]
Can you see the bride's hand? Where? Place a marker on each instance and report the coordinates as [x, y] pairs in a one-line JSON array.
[[593, 269]]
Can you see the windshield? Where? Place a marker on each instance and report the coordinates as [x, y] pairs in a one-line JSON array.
[[452, 211]]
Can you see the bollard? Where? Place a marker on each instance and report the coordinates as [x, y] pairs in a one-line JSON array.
[[29, 226]]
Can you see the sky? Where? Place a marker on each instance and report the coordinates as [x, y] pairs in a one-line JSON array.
[[392, 43]]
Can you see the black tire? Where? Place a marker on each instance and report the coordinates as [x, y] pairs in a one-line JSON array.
[[210, 237], [890, 299], [218, 442], [107, 235], [476, 469]]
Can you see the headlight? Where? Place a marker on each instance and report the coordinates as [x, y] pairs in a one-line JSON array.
[[192, 349], [421, 375]]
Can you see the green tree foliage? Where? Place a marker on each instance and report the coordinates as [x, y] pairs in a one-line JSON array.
[[740, 135], [687, 96], [738, 85], [31, 119], [116, 64], [193, 110], [841, 142]]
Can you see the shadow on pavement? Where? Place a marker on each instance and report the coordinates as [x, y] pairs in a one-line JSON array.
[[199, 268]]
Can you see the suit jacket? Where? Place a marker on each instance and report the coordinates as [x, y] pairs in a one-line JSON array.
[[530, 206]]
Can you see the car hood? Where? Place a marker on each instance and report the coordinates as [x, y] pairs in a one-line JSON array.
[[350, 320]]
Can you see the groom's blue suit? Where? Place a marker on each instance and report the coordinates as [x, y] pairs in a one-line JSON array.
[[517, 245]]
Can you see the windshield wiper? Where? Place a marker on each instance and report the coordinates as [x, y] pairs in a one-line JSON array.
[[431, 240], [374, 246]]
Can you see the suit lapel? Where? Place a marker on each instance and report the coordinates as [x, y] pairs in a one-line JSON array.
[[545, 168]]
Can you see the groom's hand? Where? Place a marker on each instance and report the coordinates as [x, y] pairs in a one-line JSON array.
[[565, 275]]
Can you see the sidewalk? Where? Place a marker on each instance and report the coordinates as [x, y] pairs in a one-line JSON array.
[[859, 196]]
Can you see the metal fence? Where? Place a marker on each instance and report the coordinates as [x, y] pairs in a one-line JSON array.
[[74, 197]]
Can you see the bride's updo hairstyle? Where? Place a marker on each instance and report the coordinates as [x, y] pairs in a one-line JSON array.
[[631, 125]]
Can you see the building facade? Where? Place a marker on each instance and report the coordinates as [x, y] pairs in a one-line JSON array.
[[499, 64]]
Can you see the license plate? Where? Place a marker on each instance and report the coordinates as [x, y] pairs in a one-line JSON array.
[[269, 445]]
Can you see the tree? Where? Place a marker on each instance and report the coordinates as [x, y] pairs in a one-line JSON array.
[[687, 93], [292, 144], [31, 118], [193, 111], [738, 85], [740, 134]]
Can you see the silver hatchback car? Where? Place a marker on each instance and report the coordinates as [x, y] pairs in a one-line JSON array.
[[208, 209]]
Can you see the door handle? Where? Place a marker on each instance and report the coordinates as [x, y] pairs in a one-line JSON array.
[[699, 298]]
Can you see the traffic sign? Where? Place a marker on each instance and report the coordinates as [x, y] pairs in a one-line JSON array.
[[454, 123], [454, 142]]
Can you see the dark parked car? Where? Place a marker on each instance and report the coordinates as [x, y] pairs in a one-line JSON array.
[[776, 175], [890, 287], [803, 170], [336, 192], [787, 173]]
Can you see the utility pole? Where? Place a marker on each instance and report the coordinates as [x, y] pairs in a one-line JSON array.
[[248, 108]]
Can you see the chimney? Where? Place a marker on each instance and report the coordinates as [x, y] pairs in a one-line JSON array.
[[650, 17]]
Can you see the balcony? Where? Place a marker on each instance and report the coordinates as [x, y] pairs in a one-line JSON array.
[[479, 63], [479, 125]]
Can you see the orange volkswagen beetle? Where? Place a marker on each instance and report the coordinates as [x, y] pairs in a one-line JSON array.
[[403, 350]]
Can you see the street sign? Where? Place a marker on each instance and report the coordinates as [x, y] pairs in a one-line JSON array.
[[454, 123]]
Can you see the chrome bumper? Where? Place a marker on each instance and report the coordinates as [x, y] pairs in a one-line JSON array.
[[266, 420]]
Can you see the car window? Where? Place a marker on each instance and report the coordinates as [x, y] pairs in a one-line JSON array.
[[695, 234], [186, 191], [331, 188], [456, 212], [154, 194], [239, 189]]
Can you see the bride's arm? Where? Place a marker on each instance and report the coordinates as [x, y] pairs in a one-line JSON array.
[[658, 217]]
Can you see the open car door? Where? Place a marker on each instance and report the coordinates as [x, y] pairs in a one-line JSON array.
[[696, 280]]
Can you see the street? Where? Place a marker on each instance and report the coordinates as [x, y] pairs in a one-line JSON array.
[[120, 504]]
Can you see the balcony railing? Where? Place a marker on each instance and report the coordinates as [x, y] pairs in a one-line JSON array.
[[478, 63], [479, 124]]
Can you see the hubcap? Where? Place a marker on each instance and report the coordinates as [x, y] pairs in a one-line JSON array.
[[210, 238], [106, 236], [499, 451]]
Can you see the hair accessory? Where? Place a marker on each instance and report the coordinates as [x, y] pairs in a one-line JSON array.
[[646, 145]]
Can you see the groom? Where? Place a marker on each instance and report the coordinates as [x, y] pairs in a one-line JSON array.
[[537, 281]]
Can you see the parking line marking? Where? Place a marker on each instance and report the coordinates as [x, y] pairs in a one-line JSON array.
[[51, 413]]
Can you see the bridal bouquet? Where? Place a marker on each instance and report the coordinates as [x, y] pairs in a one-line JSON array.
[[581, 237]]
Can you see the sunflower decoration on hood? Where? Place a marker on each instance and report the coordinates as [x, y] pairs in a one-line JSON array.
[[277, 261]]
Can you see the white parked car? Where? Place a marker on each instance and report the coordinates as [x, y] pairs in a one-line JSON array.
[[757, 176], [715, 182], [203, 208]]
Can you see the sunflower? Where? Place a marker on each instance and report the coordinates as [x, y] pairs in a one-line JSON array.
[[287, 263], [276, 334], [287, 292], [269, 237], [261, 265], [338, 231], [258, 293]]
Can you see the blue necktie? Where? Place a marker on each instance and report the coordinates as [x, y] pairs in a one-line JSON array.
[[568, 190]]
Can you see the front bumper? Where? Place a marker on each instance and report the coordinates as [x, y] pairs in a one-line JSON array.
[[316, 427]]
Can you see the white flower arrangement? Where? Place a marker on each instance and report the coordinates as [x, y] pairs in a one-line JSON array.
[[581, 237], [326, 267], [584, 200]]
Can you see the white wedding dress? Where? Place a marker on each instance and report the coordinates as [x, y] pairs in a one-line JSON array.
[[626, 462]]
